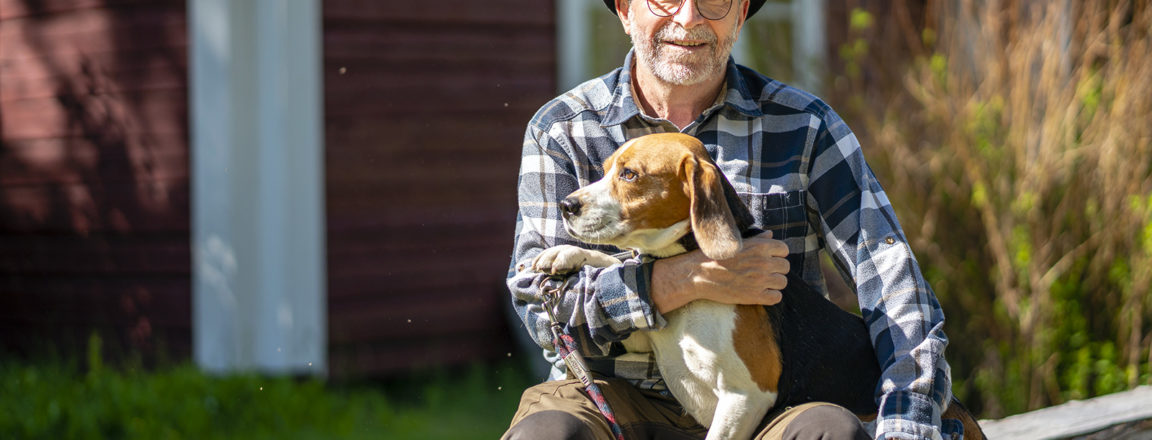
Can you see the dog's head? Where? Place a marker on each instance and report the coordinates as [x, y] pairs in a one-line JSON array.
[[657, 188]]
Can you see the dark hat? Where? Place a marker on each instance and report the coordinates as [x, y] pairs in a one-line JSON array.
[[752, 8]]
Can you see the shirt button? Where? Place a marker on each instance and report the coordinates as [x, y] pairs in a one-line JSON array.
[[890, 240]]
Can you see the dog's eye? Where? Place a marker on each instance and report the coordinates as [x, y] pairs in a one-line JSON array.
[[628, 175]]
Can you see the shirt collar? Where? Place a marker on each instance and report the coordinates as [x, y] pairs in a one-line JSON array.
[[623, 105]]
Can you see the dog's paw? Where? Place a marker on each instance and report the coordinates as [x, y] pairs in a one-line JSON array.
[[566, 259]]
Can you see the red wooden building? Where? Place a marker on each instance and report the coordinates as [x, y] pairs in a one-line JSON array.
[[94, 194], [424, 108]]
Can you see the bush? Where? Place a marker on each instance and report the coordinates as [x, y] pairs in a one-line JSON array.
[[1017, 150], [56, 400]]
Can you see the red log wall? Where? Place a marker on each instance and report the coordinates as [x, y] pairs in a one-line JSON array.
[[425, 109], [94, 204]]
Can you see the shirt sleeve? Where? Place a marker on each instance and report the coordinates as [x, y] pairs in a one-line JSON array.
[[859, 229], [600, 305]]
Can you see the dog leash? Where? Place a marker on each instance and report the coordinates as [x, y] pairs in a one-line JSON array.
[[550, 292]]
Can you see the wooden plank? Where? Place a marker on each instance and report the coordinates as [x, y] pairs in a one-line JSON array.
[[392, 356], [415, 320], [112, 117], [101, 255], [164, 301], [415, 130], [419, 244], [510, 12], [484, 46], [148, 340], [359, 285], [369, 219], [1078, 417], [395, 137], [10, 9], [49, 333], [442, 105], [93, 74], [474, 190], [363, 286], [146, 206], [93, 30], [366, 215], [76, 160]]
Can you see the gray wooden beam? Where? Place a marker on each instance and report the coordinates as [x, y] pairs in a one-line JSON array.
[[1074, 418]]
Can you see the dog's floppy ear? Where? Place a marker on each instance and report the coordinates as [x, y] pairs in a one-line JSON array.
[[712, 222]]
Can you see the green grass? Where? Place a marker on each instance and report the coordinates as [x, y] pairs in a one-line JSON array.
[[56, 400]]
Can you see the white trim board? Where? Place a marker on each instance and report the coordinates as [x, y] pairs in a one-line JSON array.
[[256, 123]]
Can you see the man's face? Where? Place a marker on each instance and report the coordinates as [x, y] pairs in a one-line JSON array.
[[685, 48]]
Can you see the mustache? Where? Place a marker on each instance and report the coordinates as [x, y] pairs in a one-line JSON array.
[[673, 31]]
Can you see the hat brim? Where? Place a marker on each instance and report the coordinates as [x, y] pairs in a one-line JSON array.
[[752, 8]]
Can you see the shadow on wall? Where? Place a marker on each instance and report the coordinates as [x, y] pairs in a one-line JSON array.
[[94, 203]]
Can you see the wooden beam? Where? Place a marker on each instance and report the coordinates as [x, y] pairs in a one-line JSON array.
[[1074, 418]]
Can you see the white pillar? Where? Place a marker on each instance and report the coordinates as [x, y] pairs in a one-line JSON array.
[[257, 150], [572, 27], [808, 41]]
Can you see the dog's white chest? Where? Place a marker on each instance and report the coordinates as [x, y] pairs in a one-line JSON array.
[[698, 359]]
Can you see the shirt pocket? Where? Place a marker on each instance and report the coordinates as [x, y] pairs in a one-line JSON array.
[[783, 213]]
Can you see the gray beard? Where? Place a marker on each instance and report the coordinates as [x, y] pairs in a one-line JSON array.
[[682, 70]]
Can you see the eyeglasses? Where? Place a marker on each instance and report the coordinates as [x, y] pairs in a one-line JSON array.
[[710, 9]]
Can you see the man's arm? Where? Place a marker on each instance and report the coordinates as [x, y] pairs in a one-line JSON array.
[[861, 233], [600, 304], [754, 276]]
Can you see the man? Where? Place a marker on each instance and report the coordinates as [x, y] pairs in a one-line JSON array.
[[802, 173]]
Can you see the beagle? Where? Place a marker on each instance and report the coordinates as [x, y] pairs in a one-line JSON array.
[[728, 365]]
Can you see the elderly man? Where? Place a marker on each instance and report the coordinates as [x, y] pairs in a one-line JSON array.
[[804, 177]]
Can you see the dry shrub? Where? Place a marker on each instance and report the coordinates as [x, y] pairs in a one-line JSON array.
[[1016, 149]]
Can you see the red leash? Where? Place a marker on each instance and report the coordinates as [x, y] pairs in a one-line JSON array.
[[566, 347]]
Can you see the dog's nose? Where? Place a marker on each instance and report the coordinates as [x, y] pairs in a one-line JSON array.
[[570, 206]]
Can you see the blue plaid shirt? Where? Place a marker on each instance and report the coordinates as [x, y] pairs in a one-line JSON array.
[[801, 172]]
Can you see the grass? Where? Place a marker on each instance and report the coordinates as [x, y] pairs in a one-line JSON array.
[[56, 400]]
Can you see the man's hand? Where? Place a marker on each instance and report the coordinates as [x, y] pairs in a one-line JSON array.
[[754, 276]]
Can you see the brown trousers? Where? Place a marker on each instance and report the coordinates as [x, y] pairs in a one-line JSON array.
[[561, 410]]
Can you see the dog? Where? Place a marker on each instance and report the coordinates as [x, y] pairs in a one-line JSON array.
[[728, 365]]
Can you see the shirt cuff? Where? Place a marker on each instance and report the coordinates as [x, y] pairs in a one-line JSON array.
[[908, 415], [624, 295]]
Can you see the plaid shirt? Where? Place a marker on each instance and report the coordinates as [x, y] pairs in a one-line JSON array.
[[801, 172]]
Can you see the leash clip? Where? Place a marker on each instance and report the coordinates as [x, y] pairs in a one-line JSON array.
[[551, 291]]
